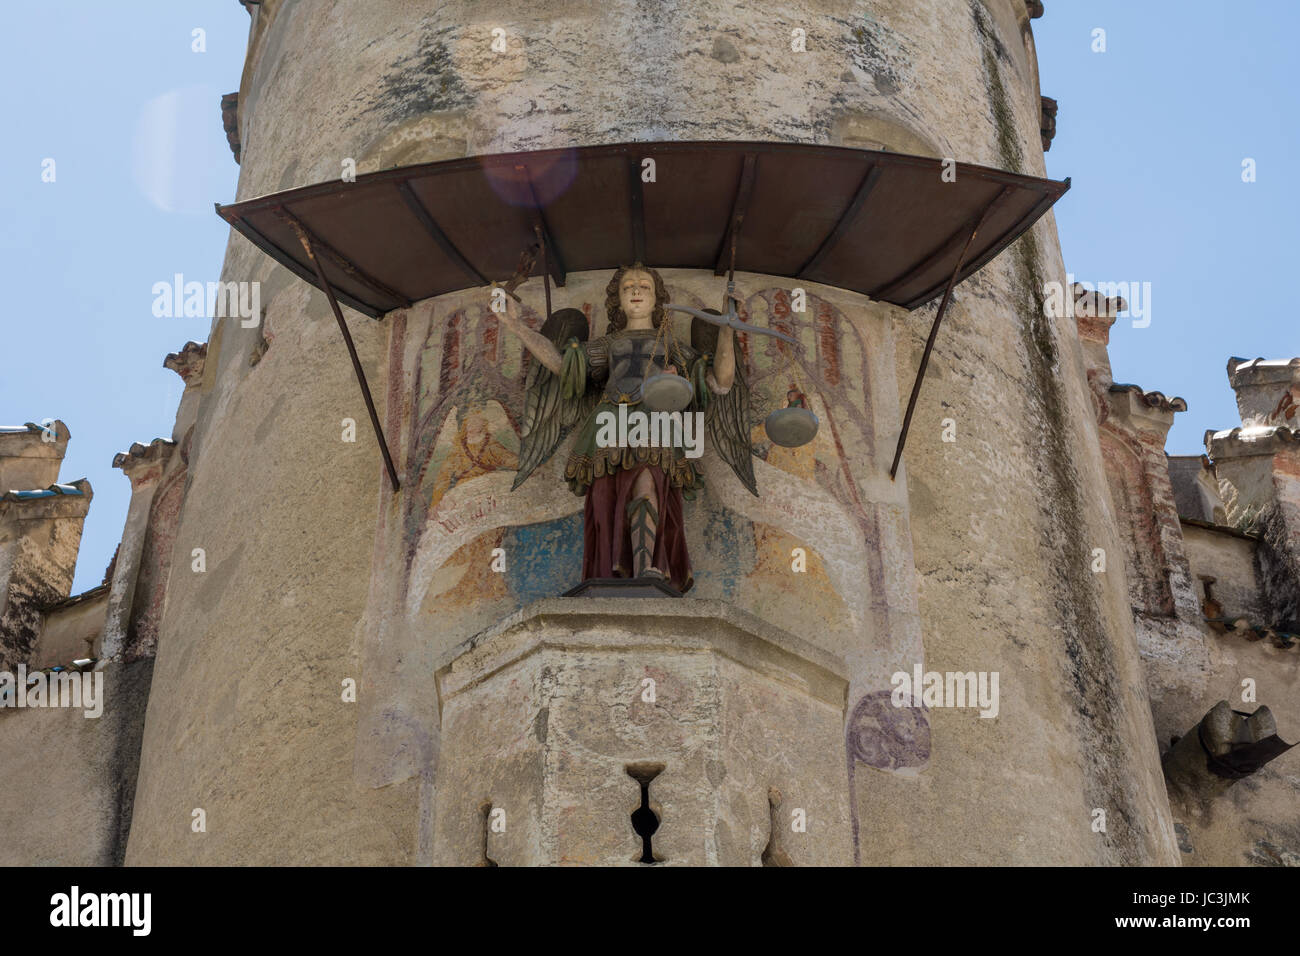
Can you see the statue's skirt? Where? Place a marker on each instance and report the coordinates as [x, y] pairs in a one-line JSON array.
[[607, 544]]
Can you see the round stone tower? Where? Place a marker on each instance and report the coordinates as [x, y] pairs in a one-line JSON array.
[[358, 675]]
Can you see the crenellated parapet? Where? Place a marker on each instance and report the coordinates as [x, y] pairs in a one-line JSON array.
[[1258, 467], [45, 501], [1248, 460], [1268, 390], [1094, 314], [30, 454], [40, 532]]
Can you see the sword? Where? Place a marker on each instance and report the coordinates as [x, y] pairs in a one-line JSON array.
[[526, 260]]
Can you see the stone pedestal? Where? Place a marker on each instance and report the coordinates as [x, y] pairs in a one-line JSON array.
[[553, 719], [624, 588]]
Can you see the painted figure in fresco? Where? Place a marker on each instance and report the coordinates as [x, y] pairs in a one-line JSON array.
[[632, 521]]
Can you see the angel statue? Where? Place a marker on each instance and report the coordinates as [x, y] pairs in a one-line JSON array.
[[632, 520]]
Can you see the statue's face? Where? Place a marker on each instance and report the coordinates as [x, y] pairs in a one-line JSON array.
[[636, 297]]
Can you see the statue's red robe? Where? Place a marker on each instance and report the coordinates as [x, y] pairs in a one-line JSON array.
[[607, 542]]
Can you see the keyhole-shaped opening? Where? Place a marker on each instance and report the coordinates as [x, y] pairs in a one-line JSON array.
[[773, 855], [644, 820]]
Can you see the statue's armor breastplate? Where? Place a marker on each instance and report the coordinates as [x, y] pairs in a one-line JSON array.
[[630, 354]]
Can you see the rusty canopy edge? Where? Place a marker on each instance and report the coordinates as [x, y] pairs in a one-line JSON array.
[[808, 245]]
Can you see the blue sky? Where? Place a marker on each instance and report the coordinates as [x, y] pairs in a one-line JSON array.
[[115, 95], [1153, 132]]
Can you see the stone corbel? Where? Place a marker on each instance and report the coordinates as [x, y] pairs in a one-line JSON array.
[[1047, 121], [188, 362], [1094, 316], [1147, 415], [144, 466]]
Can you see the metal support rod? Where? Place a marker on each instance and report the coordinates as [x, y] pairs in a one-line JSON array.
[[728, 306], [739, 206], [437, 235], [356, 362], [546, 273], [542, 229], [929, 342]]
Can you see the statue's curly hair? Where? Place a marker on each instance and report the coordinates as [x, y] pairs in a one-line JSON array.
[[617, 320]]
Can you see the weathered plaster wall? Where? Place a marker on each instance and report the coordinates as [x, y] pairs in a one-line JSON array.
[[1196, 490], [69, 633], [1230, 560], [69, 778], [1004, 521], [246, 719], [1259, 478], [1253, 821]]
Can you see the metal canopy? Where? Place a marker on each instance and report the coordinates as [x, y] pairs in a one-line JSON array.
[[899, 229], [883, 224]]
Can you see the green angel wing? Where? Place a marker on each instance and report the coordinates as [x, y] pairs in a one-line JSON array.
[[553, 404], [726, 417]]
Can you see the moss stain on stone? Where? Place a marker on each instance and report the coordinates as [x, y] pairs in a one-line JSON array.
[[1276, 569], [1004, 121], [878, 53], [424, 82], [1091, 664]]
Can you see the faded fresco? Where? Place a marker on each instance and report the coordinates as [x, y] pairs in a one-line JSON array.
[[824, 551], [463, 436]]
